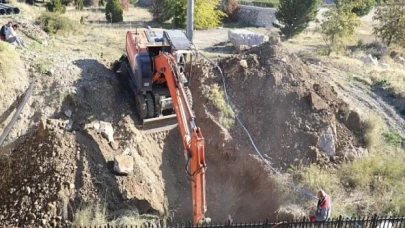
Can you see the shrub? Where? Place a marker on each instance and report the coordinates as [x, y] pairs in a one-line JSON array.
[[364, 8], [206, 14], [113, 11], [55, 6], [359, 7], [230, 8], [54, 23], [180, 13], [296, 15], [101, 3]]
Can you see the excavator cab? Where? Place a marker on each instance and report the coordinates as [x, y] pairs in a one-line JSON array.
[[137, 68]]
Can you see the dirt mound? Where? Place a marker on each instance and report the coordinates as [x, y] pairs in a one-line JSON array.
[[54, 173], [293, 116]]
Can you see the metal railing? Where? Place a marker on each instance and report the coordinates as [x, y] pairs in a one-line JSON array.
[[341, 222]]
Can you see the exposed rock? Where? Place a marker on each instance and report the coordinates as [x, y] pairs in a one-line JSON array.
[[327, 141], [317, 103], [353, 121], [105, 129], [241, 37], [123, 164]]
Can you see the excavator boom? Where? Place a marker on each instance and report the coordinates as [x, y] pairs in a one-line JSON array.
[[192, 137]]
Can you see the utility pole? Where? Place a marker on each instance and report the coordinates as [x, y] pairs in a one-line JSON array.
[[190, 19]]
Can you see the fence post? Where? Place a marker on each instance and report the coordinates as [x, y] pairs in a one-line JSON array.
[[374, 222], [340, 221], [267, 223]]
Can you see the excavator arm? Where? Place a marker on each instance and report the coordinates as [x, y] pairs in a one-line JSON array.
[[193, 140]]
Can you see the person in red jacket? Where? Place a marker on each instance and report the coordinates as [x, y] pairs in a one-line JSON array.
[[323, 210]]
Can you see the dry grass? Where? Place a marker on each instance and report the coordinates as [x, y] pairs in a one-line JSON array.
[[368, 185], [9, 58], [226, 115], [97, 216]]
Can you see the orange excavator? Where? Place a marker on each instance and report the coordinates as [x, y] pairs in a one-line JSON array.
[[157, 67]]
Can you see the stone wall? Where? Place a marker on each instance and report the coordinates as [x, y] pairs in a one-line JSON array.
[[257, 16]]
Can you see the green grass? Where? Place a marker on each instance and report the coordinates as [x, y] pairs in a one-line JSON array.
[[226, 115]]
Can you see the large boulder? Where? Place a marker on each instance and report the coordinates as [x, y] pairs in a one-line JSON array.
[[123, 164], [244, 38]]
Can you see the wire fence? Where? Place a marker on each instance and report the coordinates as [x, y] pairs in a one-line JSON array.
[[341, 222]]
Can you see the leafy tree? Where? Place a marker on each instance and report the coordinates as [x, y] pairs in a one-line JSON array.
[[206, 14], [359, 7], [295, 15], [101, 3], [113, 11], [180, 13], [391, 28], [55, 6], [339, 27]]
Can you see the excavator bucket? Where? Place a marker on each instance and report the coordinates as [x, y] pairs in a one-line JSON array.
[[159, 124]]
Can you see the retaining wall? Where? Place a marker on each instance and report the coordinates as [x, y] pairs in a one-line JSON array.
[[257, 16]]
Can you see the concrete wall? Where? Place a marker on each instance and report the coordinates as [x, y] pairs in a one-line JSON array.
[[257, 16]]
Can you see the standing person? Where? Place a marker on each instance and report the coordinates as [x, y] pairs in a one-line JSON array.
[[11, 36], [323, 209]]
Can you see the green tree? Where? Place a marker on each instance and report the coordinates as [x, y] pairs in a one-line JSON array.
[[359, 7], [295, 15], [55, 6], [339, 27], [391, 28], [179, 13], [113, 11]]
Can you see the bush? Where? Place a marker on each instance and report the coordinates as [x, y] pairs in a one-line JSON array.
[[230, 8], [55, 6], [364, 9], [113, 11], [180, 13], [54, 23], [207, 15], [296, 15]]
